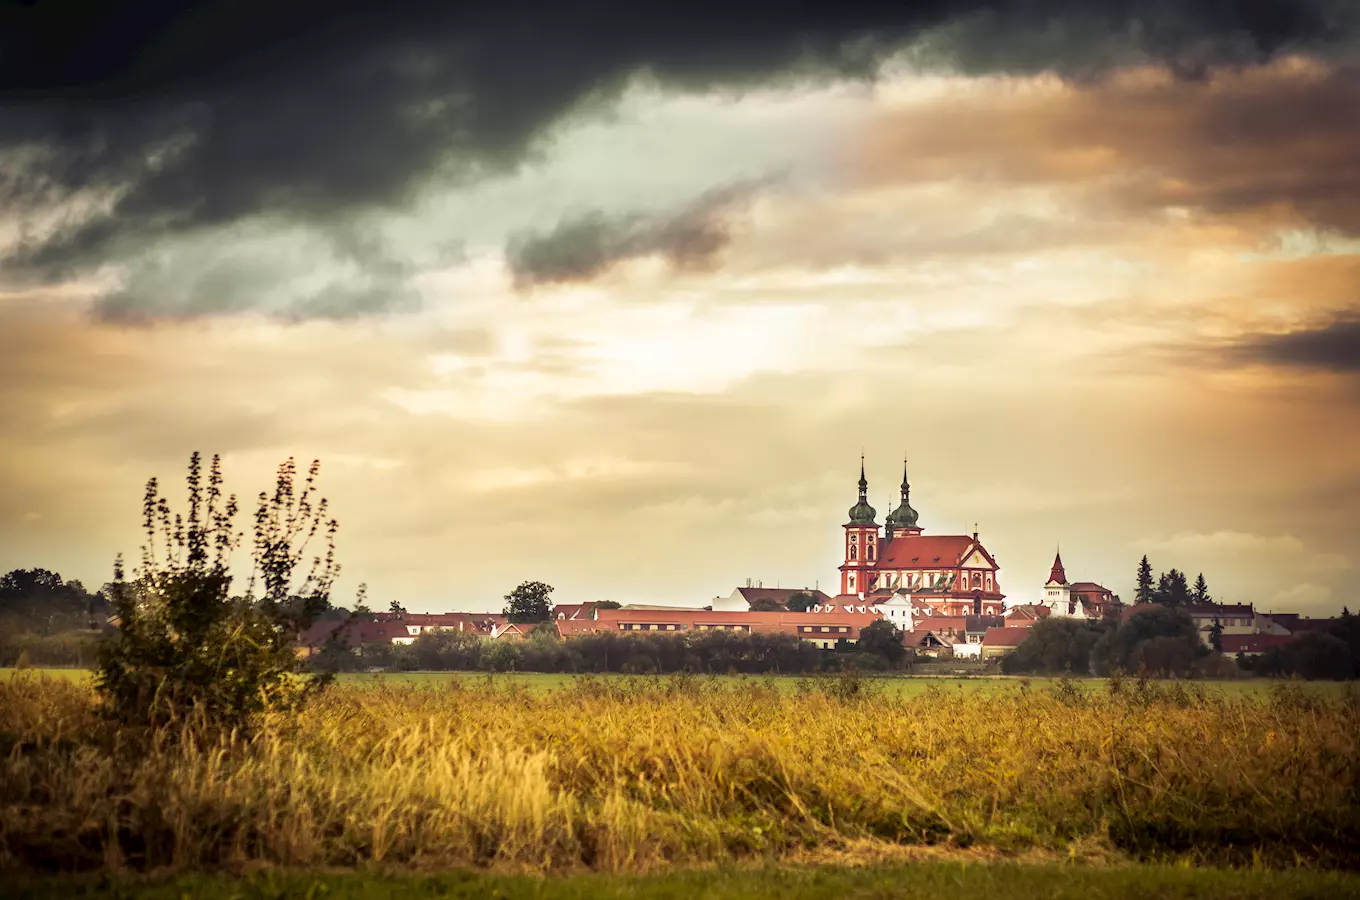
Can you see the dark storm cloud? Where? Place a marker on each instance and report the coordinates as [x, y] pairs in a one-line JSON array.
[[1332, 347], [581, 248], [180, 116]]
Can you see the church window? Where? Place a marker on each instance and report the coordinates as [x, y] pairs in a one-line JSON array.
[[870, 557], [854, 552]]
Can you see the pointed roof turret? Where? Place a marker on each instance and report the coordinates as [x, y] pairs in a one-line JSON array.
[[862, 513], [1057, 576], [904, 517]]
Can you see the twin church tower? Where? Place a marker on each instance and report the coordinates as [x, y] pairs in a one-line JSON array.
[[952, 575]]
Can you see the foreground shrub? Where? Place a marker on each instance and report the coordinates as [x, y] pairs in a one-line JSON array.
[[184, 646], [633, 773]]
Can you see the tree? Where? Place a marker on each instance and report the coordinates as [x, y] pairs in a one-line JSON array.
[[185, 645], [1200, 592], [529, 603], [1055, 645], [1172, 589], [396, 608], [40, 601], [884, 640], [609, 604], [1145, 592], [802, 601], [766, 604], [1117, 650], [1215, 633]]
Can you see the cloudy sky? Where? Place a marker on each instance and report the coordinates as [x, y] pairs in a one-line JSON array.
[[613, 295]]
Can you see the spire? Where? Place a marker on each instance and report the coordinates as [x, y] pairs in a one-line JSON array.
[[1057, 576], [862, 513], [904, 518]]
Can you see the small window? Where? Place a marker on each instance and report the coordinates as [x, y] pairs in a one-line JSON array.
[[825, 628]]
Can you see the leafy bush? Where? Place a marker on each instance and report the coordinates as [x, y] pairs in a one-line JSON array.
[[1055, 646], [185, 646], [1172, 644]]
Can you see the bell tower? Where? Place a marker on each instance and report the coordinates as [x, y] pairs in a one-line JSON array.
[[861, 542]]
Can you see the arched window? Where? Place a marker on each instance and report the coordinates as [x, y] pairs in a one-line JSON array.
[[870, 557], [854, 552]]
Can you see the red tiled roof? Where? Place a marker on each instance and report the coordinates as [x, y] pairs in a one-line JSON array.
[[687, 619], [780, 595], [1027, 612], [925, 552], [1005, 637], [1089, 587], [1295, 624], [915, 638], [1253, 643], [1135, 609], [352, 632], [1220, 609]]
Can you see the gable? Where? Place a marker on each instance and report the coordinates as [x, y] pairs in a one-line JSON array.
[[978, 560]]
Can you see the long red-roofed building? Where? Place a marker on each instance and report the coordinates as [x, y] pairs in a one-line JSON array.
[[823, 628]]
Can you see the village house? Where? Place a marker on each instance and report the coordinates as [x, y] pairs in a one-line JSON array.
[[1000, 641], [1234, 619], [1084, 600]]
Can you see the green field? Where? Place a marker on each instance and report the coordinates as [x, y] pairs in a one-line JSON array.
[[899, 685], [929, 881]]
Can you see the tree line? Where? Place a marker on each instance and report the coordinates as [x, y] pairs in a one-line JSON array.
[[710, 652], [1171, 588]]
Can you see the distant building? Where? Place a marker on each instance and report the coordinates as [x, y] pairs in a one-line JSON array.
[[823, 627], [1234, 618], [902, 570], [1000, 641], [1084, 600]]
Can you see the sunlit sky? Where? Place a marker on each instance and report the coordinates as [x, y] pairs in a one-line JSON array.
[[638, 354]]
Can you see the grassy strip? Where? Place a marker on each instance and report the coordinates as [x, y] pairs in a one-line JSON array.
[[925, 881], [640, 774]]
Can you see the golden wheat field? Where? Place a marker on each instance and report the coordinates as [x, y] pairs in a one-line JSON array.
[[639, 774]]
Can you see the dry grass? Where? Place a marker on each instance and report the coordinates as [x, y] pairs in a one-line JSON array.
[[631, 775]]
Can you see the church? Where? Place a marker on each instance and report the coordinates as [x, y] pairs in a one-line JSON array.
[[900, 570]]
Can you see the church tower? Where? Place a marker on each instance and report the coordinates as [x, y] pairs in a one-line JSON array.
[[1057, 592], [861, 542]]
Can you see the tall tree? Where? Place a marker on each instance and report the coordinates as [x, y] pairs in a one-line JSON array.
[[1200, 592], [1216, 635], [884, 639], [529, 603], [1173, 589], [802, 601], [1145, 593], [396, 608]]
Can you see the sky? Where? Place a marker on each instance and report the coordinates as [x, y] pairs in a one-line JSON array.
[[615, 295]]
